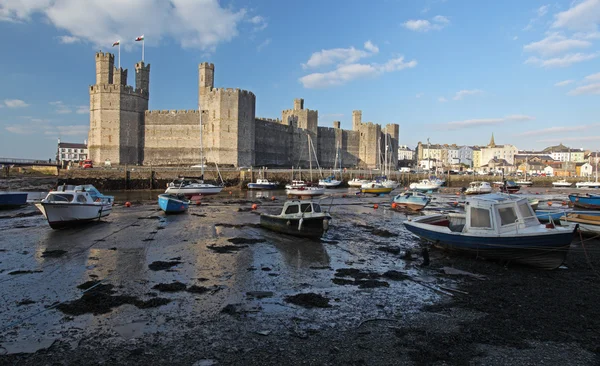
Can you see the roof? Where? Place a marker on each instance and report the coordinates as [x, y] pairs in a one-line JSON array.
[[495, 198], [558, 148], [71, 145]]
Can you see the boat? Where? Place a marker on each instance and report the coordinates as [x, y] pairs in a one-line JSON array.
[[525, 183], [190, 187], [356, 182], [298, 218], [170, 203], [587, 223], [70, 205], [533, 202], [561, 183], [509, 186], [556, 214], [263, 184], [12, 199], [590, 184], [425, 185], [497, 226], [478, 188], [305, 191], [589, 201], [329, 182], [375, 188], [413, 200], [295, 184]]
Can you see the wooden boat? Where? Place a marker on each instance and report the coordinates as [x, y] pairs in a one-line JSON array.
[[170, 203], [70, 205], [298, 218], [588, 201], [561, 184], [12, 199], [587, 223], [497, 226], [263, 184], [192, 187], [556, 214], [412, 200], [375, 188], [425, 185], [478, 188], [509, 186]]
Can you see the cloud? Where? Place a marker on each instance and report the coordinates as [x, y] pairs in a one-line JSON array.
[[564, 82], [540, 12], [193, 24], [15, 103], [593, 77], [515, 38], [555, 130], [82, 109], [340, 55], [463, 93], [61, 108], [68, 39], [438, 22], [571, 139], [259, 22], [31, 126], [554, 44], [419, 95], [564, 61], [347, 72], [457, 125], [583, 16], [71, 130], [442, 100], [592, 89], [263, 44]]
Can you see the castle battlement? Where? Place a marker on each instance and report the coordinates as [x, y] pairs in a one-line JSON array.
[[231, 91], [173, 111], [105, 55], [296, 110], [275, 120], [207, 65], [124, 89]]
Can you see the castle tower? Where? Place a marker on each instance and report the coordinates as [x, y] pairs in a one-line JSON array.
[[305, 122], [206, 80], [356, 120], [298, 104], [117, 113]]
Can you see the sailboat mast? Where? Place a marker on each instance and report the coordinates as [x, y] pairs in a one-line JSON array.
[[385, 167], [201, 150], [309, 157]]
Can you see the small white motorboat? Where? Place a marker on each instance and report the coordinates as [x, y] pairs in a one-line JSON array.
[[298, 218], [295, 184], [306, 191], [561, 184], [357, 183], [329, 182], [525, 183], [425, 185], [587, 184], [70, 205], [192, 187], [478, 188]]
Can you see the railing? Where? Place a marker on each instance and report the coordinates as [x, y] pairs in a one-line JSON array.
[[28, 161]]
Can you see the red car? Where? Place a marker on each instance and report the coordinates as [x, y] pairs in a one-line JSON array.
[[87, 164]]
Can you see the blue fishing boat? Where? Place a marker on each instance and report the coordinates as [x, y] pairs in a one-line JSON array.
[[497, 226], [263, 184], [12, 199], [173, 203], [555, 215], [413, 200], [590, 201]]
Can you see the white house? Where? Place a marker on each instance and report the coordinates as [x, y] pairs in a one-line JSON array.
[[405, 153], [587, 170], [71, 152], [549, 171]]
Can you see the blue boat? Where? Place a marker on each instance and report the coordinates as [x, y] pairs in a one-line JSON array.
[[12, 199], [589, 201], [413, 200], [497, 226], [555, 215], [263, 184], [173, 203]]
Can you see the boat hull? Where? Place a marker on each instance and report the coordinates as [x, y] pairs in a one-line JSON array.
[[262, 186], [590, 202], [12, 199], [305, 192], [356, 183], [377, 190], [541, 251], [171, 205], [61, 215], [589, 224], [313, 227], [332, 184], [194, 191]]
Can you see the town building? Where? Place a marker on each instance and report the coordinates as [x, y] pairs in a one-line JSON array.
[[561, 152], [405, 153], [493, 151], [476, 158], [465, 156], [69, 153]]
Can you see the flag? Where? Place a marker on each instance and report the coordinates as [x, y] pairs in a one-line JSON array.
[[140, 38], [116, 43]]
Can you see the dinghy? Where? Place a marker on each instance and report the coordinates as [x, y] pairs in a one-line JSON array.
[[171, 203], [412, 200], [589, 201], [589, 224]]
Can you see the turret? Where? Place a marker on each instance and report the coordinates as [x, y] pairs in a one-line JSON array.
[[119, 76], [105, 63], [298, 104], [206, 79], [356, 120], [142, 77]]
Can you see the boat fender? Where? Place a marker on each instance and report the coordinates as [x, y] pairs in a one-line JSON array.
[[98, 199], [300, 224]]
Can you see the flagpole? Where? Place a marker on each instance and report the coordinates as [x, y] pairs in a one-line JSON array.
[[119, 54], [142, 50]]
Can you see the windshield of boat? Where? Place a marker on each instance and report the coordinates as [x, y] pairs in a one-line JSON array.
[[292, 209], [525, 210], [306, 207], [81, 198], [480, 218], [316, 207], [508, 216], [60, 197]]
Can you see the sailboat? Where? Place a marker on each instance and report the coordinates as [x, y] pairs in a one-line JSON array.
[[388, 183], [191, 186], [308, 190], [331, 182], [524, 182], [589, 184]]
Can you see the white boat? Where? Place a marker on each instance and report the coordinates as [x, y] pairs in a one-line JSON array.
[[561, 183], [587, 184], [425, 185], [329, 182], [357, 182], [390, 184], [306, 191], [70, 205], [526, 183], [478, 188], [192, 187], [589, 224], [298, 218], [295, 184]]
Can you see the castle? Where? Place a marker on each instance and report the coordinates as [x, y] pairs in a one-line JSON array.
[[124, 131]]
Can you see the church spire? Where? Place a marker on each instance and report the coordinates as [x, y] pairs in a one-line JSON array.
[[492, 143]]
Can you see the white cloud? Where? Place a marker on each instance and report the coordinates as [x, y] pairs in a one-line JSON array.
[[31, 126], [83, 109], [555, 43], [457, 125], [194, 24], [259, 22], [72, 130], [463, 93], [572, 139], [583, 16], [563, 61], [593, 77], [263, 44], [586, 89], [442, 100], [348, 72], [419, 95], [586, 35], [61, 108], [564, 82], [15, 103], [438, 22], [68, 39], [540, 12], [515, 38], [556, 130], [340, 55]]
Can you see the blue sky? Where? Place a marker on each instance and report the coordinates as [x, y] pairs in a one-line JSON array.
[[454, 71]]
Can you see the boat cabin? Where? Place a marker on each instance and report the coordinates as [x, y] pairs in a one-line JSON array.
[[262, 181], [475, 185], [299, 208], [86, 193]]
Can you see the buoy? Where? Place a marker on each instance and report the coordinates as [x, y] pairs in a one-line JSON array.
[[376, 206], [127, 204], [394, 205], [254, 206], [549, 203], [197, 202], [230, 192], [564, 203], [458, 193], [273, 198]]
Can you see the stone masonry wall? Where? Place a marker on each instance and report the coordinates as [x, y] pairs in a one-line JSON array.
[[273, 143], [172, 138]]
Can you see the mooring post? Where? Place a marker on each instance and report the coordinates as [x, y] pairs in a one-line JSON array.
[[127, 177]]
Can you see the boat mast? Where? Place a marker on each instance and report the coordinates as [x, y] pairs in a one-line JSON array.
[[309, 157], [201, 152], [385, 168]]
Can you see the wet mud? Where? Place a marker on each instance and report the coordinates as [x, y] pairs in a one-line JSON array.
[[53, 253], [246, 240], [226, 248], [170, 287], [162, 265], [309, 300]]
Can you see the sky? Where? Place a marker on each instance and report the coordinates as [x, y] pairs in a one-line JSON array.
[[453, 71]]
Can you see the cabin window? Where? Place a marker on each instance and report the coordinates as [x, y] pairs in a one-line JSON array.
[[316, 208], [507, 216], [305, 207], [81, 198], [480, 217], [525, 210], [60, 198], [292, 209]]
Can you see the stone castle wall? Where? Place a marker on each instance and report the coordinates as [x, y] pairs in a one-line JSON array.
[[172, 138], [273, 143]]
